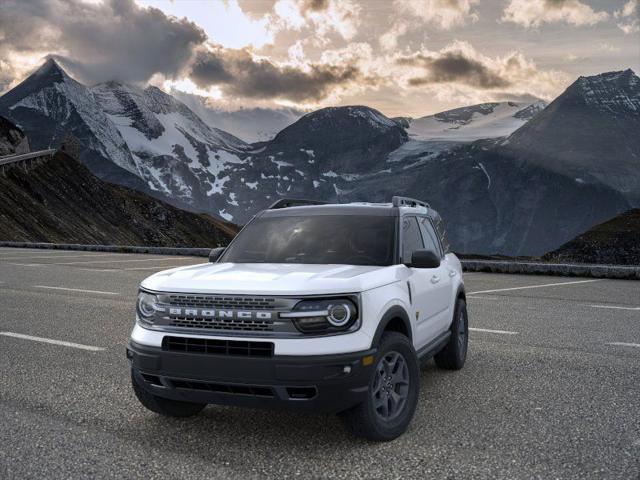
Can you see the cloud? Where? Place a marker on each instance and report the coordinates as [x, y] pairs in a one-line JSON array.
[[533, 13], [323, 17], [460, 71], [239, 73], [112, 40], [389, 40], [628, 25], [445, 14]]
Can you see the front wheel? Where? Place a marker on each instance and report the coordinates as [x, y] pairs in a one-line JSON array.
[[392, 394], [454, 354]]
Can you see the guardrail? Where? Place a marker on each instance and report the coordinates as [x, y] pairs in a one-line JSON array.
[[11, 159], [561, 269]]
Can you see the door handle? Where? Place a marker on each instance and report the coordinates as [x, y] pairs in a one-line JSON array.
[[452, 273], [435, 279]]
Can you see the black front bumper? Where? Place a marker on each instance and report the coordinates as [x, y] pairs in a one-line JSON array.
[[316, 384]]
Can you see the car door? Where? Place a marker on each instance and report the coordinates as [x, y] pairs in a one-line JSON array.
[[440, 279], [424, 295]]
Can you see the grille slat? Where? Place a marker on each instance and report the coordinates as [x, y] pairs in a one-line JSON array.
[[222, 323], [217, 347], [217, 301]]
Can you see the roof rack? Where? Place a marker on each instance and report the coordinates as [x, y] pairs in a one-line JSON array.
[[397, 201], [293, 202]]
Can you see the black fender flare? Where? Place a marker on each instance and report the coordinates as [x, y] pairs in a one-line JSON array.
[[394, 312]]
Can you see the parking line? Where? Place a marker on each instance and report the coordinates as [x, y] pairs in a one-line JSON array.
[[53, 342], [535, 286], [99, 261], [76, 290], [503, 332], [163, 267], [614, 307], [25, 257], [624, 344]]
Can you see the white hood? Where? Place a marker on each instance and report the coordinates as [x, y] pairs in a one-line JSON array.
[[270, 278]]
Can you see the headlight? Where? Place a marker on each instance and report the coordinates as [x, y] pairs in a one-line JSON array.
[[329, 315], [147, 303]]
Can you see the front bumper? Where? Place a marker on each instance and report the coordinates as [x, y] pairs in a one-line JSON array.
[[316, 384]]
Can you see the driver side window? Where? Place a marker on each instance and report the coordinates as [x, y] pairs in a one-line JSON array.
[[411, 238]]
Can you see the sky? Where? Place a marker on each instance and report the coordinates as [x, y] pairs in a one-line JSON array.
[[402, 57]]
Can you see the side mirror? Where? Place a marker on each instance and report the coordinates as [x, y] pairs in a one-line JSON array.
[[425, 259], [215, 254]]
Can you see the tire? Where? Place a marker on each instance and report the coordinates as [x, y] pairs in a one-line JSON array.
[[402, 375], [164, 406], [454, 354]]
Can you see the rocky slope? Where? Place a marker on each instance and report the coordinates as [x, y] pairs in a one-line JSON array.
[[12, 140], [616, 241], [60, 201]]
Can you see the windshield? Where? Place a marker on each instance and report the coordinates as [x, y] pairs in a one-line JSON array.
[[343, 239]]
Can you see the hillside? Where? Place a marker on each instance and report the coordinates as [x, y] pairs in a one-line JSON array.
[[616, 241], [60, 201]]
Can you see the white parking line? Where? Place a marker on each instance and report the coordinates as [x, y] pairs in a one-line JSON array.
[[53, 342], [76, 290], [163, 267], [99, 261], [614, 307], [503, 332], [25, 257], [535, 286], [623, 344]]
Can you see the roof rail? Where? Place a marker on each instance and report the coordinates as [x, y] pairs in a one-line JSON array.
[[397, 201], [293, 202]]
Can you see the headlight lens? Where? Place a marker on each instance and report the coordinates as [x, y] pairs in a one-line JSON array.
[[146, 305], [330, 315]]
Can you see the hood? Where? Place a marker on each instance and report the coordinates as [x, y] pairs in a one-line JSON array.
[[272, 279]]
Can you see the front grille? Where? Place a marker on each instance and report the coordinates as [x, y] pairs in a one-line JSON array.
[[217, 347], [254, 390], [222, 324], [223, 302]]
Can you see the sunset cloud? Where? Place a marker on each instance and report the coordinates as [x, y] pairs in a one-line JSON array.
[[628, 17], [533, 13], [459, 69], [444, 14], [239, 73]]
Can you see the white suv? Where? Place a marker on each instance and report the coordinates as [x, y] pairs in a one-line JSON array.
[[312, 307]]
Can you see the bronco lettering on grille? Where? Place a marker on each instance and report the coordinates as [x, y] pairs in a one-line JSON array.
[[211, 313]]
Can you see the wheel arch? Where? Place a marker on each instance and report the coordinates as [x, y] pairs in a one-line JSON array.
[[395, 319]]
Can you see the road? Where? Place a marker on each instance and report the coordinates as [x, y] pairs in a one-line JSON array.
[[551, 388]]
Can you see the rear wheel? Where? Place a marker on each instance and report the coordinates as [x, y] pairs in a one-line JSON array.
[[454, 354], [392, 394], [164, 406]]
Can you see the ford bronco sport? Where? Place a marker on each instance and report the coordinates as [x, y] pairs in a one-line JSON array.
[[313, 307]]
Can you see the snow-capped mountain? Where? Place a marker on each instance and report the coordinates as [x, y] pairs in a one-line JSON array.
[[466, 124], [142, 138]]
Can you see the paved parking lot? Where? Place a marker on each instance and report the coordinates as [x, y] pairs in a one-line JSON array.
[[551, 388]]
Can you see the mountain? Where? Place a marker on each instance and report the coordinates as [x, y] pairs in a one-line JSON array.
[[590, 133], [522, 194], [612, 242], [139, 138], [466, 124], [60, 201], [250, 124]]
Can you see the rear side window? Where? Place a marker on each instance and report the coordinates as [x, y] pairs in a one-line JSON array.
[[430, 238], [411, 238], [442, 233]]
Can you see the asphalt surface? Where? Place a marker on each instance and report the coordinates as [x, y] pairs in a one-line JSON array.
[[552, 392]]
